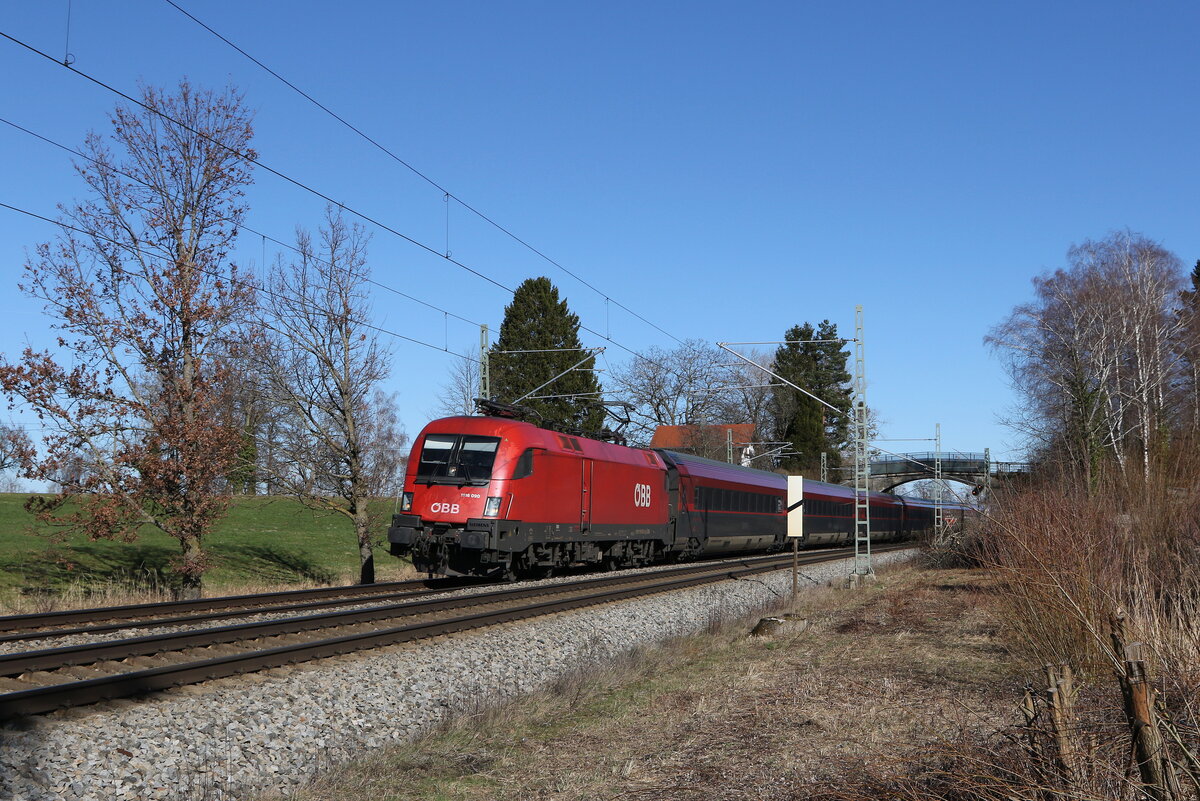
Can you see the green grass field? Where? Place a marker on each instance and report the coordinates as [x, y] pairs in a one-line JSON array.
[[262, 542]]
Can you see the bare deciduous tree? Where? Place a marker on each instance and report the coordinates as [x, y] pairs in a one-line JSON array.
[[683, 386], [342, 444], [1095, 354], [747, 398], [146, 302], [458, 394], [260, 418]]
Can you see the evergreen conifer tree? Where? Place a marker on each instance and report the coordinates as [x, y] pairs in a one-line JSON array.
[[819, 367], [537, 320], [832, 383], [1191, 297], [1189, 348]]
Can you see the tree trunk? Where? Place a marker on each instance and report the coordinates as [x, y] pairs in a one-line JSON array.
[[366, 572], [192, 570], [362, 527]]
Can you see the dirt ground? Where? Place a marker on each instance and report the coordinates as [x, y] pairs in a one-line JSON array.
[[873, 674]]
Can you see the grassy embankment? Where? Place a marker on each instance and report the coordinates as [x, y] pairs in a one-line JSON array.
[[262, 543]]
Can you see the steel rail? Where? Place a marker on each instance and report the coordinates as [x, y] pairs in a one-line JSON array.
[[45, 699], [16, 663], [40, 623], [64, 617], [222, 614], [237, 606]]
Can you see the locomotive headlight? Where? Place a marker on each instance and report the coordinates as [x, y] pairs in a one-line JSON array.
[[492, 508], [406, 502]]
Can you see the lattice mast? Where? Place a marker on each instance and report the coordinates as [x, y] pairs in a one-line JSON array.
[[937, 481], [485, 378], [862, 462]]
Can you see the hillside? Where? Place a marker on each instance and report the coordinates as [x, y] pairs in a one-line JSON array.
[[262, 542]]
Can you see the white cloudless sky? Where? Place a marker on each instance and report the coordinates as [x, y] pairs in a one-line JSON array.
[[724, 170]]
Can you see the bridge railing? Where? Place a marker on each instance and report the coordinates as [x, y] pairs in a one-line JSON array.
[[953, 463]]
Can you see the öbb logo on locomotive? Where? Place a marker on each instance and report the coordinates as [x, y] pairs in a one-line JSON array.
[[527, 500]]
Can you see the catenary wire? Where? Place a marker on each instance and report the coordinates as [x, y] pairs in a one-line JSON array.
[[277, 173], [243, 227], [301, 185], [216, 274], [276, 241], [447, 194]]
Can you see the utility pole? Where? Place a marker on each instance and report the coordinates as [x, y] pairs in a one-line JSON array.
[[485, 378], [729, 445], [825, 467]]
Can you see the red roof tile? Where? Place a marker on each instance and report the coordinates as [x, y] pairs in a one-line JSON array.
[[685, 436]]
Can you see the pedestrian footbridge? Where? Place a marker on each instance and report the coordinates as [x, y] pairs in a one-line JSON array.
[[889, 471]]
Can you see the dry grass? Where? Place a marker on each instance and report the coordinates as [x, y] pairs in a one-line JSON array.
[[1069, 560], [724, 715]]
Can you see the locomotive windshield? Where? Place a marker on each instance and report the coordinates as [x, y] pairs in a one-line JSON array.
[[457, 459]]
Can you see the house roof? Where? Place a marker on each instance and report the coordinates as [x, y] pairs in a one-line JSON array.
[[686, 436]]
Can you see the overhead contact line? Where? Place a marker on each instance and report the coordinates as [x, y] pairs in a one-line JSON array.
[[304, 186], [239, 281], [256, 162], [243, 226], [446, 193]]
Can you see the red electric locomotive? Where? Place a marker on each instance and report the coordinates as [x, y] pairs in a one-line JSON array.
[[494, 496]]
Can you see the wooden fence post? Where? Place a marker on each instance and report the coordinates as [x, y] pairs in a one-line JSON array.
[[1154, 764], [1060, 699]]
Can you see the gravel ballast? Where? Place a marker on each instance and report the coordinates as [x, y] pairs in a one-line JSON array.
[[232, 738]]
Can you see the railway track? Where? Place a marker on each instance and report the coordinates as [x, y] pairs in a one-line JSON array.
[[39, 681], [49, 624]]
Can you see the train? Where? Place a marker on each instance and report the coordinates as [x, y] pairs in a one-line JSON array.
[[496, 496]]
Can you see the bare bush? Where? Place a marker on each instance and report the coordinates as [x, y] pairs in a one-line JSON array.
[[1072, 557], [1106, 578]]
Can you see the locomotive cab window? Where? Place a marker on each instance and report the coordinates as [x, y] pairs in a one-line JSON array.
[[457, 459]]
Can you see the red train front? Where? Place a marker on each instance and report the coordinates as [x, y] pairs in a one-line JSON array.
[[496, 496]]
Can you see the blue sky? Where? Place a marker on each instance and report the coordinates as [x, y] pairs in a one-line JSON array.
[[724, 170]]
